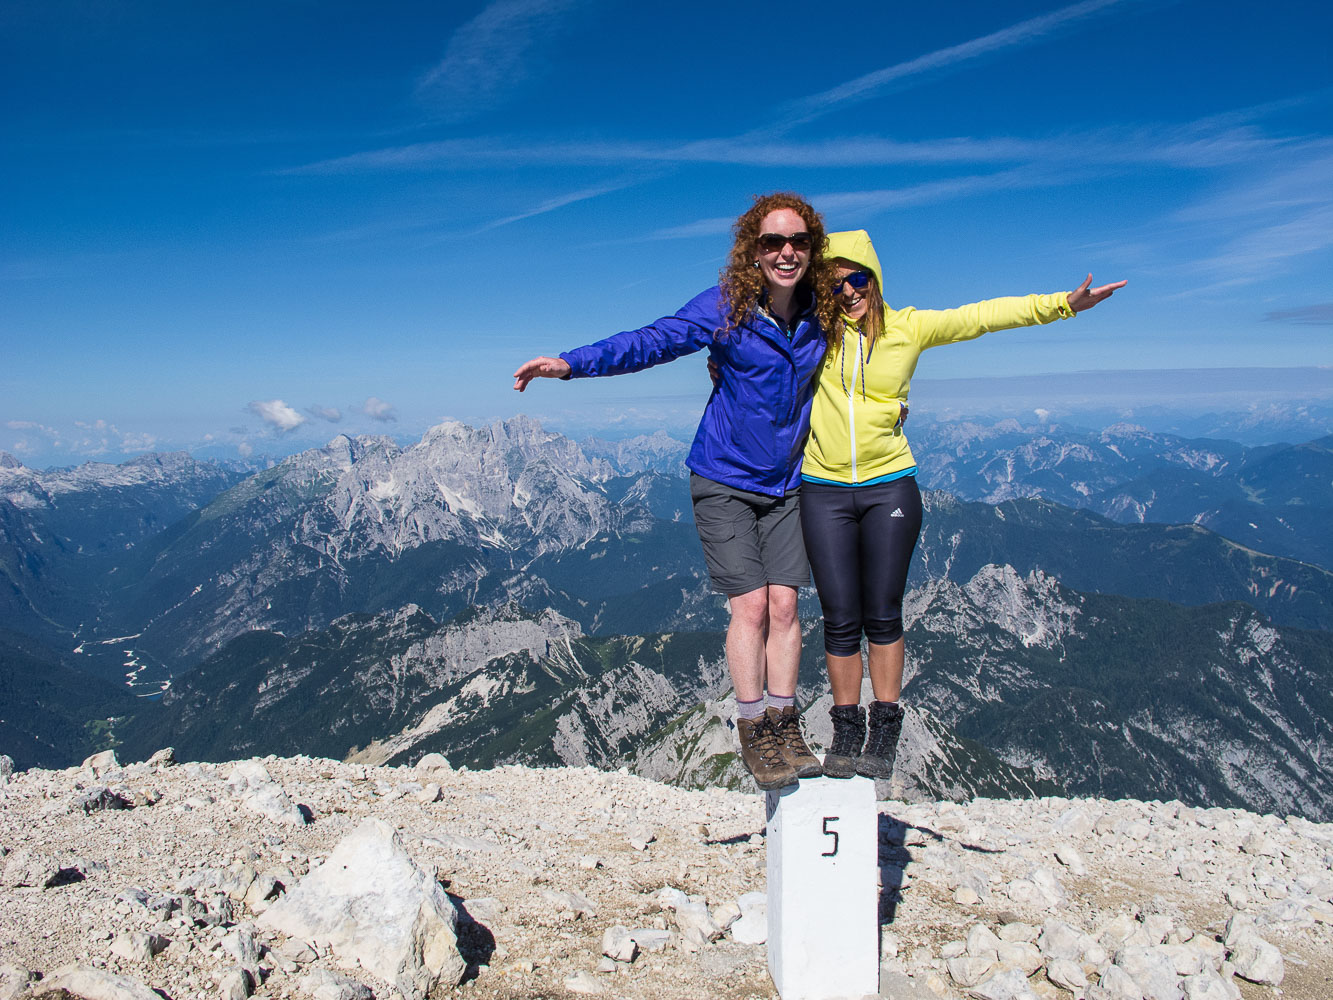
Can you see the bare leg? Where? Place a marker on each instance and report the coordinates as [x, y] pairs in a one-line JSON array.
[[844, 676], [886, 670], [783, 648], [746, 637]]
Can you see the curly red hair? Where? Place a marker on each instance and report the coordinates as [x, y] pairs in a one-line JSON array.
[[742, 283]]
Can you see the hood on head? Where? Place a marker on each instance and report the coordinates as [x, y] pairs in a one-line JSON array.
[[855, 245]]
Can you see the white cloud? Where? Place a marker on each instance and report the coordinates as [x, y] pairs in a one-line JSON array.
[[871, 84], [277, 414], [378, 409], [330, 413], [246, 449], [29, 425], [491, 56]]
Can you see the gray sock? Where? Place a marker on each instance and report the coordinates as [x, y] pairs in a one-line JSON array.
[[749, 709], [779, 702]]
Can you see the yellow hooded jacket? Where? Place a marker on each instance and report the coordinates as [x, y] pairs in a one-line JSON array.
[[855, 434]]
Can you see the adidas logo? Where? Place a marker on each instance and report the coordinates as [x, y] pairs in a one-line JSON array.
[[897, 512]]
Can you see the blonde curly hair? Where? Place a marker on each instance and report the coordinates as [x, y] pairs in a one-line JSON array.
[[742, 283]]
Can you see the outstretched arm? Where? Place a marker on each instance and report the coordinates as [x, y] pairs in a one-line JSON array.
[[1083, 297], [542, 367]]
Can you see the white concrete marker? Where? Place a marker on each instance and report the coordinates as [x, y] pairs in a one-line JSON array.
[[823, 892]]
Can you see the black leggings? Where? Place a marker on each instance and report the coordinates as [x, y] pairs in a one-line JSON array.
[[859, 540]]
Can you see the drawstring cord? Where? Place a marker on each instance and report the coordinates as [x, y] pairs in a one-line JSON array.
[[842, 365]]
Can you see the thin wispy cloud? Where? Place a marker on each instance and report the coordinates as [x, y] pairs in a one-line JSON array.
[[491, 56], [870, 202], [486, 57], [277, 414], [330, 413], [1320, 314], [558, 202], [1196, 145], [880, 81]]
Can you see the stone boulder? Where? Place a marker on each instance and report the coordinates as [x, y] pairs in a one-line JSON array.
[[373, 907], [258, 792]]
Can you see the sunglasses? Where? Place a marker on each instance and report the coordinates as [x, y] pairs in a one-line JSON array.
[[857, 279], [774, 242]]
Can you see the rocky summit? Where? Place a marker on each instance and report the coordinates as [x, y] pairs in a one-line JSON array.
[[299, 877]]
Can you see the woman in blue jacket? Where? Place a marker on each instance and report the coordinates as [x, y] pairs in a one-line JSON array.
[[763, 326]]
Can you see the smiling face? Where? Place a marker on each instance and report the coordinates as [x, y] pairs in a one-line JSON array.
[[855, 302], [783, 269]]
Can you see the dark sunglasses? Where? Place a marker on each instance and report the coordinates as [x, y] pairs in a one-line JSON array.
[[857, 279], [774, 242]]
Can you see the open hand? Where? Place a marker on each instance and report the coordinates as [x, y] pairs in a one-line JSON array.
[[1083, 297], [542, 367]]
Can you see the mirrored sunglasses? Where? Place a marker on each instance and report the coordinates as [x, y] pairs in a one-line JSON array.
[[857, 279]]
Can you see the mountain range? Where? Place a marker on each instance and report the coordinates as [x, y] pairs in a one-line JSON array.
[[504, 593]]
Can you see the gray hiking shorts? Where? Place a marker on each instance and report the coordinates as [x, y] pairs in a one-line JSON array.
[[749, 539]]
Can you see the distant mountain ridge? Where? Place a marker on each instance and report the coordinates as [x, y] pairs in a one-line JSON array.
[[1276, 498]]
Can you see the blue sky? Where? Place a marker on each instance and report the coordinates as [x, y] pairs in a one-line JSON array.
[[246, 227]]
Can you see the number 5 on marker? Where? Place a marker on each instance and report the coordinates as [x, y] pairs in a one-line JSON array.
[[830, 833]]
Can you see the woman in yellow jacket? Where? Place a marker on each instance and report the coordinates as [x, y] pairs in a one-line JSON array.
[[860, 506]]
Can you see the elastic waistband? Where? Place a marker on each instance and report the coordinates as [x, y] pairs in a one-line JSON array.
[[902, 474]]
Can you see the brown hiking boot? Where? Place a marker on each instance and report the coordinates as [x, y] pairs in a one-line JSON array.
[[787, 724], [761, 752]]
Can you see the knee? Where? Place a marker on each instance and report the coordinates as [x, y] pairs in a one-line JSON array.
[[884, 631], [750, 610], [782, 604]]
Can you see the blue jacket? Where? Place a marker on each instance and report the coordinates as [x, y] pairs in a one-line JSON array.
[[754, 427]]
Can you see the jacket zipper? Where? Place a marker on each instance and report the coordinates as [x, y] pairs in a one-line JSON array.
[[851, 404]]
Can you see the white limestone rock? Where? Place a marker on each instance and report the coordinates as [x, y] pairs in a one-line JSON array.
[[1020, 955], [434, 768], [695, 917], [1061, 941], [982, 942], [619, 945], [373, 907], [1070, 856], [1008, 985], [138, 946], [1118, 984], [969, 970], [236, 985], [97, 984], [100, 763], [14, 979], [1152, 971], [583, 982], [570, 902], [325, 984], [1255, 959], [244, 948], [1209, 985], [166, 757], [1067, 975], [650, 940], [752, 927], [250, 782]]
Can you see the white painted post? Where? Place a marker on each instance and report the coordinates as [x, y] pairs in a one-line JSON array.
[[823, 891]]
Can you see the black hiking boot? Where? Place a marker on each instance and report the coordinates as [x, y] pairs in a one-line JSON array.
[[787, 724], [886, 725], [761, 752], [849, 733]]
